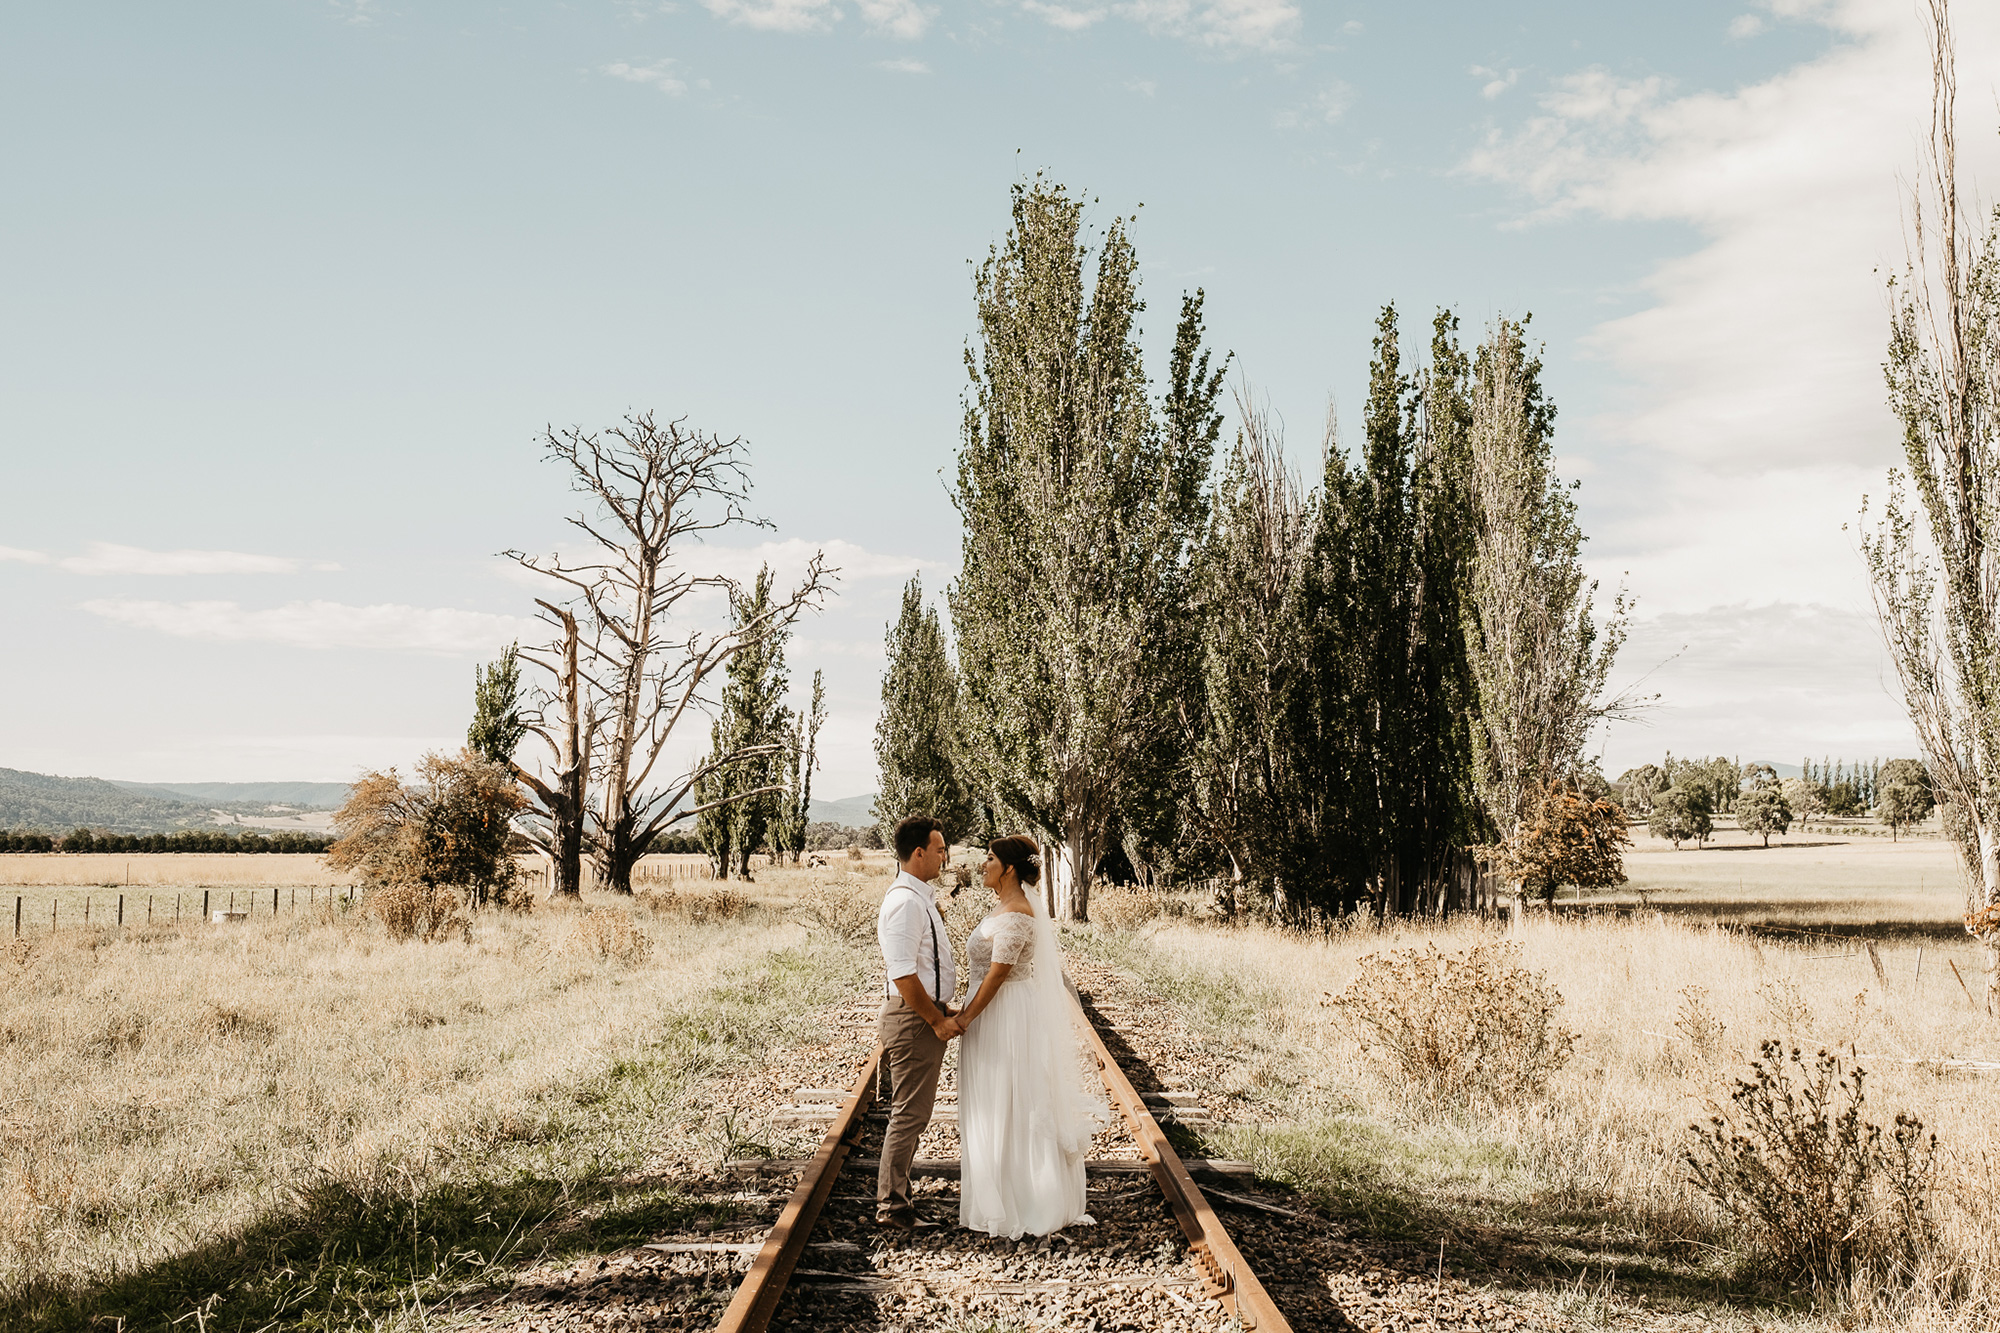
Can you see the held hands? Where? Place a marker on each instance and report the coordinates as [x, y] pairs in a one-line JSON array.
[[948, 1027]]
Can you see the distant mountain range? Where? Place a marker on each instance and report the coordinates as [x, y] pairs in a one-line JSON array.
[[848, 811], [304, 795], [44, 803]]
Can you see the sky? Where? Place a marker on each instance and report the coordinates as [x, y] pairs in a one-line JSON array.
[[295, 290]]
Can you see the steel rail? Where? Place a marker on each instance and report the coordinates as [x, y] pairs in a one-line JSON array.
[[757, 1296], [1226, 1273]]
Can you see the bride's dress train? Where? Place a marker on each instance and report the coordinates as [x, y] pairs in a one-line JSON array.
[[1024, 1122]]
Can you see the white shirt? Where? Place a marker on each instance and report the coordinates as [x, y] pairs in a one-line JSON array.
[[910, 930]]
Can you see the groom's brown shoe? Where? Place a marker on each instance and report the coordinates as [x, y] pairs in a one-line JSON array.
[[896, 1222]]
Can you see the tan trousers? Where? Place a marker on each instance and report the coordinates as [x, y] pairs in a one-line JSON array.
[[914, 1058]]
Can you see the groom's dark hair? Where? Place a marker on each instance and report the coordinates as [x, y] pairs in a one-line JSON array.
[[914, 834]]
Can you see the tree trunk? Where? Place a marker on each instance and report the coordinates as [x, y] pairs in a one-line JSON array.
[[563, 799]]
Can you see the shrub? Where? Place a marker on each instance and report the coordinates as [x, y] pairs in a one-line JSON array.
[[1697, 1023], [845, 908], [411, 910], [1471, 1028], [1815, 1190], [1122, 908], [609, 934], [697, 906]]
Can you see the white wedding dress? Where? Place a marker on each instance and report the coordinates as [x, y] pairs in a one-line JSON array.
[[1024, 1118]]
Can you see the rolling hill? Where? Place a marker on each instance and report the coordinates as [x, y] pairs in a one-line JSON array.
[[44, 803]]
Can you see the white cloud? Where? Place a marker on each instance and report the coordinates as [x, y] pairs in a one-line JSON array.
[[1324, 107], [1256, 25], [1060, 16], [1143, 87], [1497, 81], [903, 66], [110, 558], [788, 558], [1770, 682], [319, 624], [775, 15], [1746, 25], [659, 74], [898, 18], [1747, 418], [360, 13]]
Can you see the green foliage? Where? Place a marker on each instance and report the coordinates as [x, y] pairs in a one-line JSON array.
[[801, 757], [1815, 1190], [919, 742], [1636, 787], [1680, 814], [202, 841], [1080, 508], [497, 728], [1764, 810], [1379, 714], [753, 726], [1537, 654], [1904, 795]]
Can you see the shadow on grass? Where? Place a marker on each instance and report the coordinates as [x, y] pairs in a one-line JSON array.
[[337, 1258]]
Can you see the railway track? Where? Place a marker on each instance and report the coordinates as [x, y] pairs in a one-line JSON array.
[[1178, 1263]]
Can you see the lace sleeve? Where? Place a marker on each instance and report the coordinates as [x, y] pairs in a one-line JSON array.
[[1013, 938]]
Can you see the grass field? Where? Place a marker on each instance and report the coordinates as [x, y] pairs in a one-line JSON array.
[[1584, 1189], [295, 1122], [1913, 886]]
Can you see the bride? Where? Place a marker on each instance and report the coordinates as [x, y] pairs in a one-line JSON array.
[[1024, 1117]]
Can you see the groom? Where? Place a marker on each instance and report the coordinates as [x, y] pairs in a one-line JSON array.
[[916, 1014]]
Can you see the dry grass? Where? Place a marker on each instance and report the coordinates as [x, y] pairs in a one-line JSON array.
[[1591, 1173], [1811, 879], [165, 1089], [192, 869]]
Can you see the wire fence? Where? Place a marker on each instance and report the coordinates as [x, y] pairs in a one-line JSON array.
[[85, 909]]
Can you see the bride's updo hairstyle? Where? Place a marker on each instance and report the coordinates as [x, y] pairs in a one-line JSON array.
[[1020, 855]]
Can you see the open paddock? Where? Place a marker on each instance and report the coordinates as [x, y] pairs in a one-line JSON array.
[[1837, 881]]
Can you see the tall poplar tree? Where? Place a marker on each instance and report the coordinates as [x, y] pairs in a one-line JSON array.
[[1934, 563], [1073, 499], [919, 744], [1538, 656], [753, 725], [1241, 773]]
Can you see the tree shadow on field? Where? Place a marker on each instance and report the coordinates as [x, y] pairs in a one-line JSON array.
[[336, 1257]]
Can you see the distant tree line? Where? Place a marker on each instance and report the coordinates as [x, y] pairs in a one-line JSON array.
[[1169, 654], [1680, 798], [209, 841]]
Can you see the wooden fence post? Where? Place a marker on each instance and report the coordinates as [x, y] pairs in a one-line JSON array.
[[17, 916], [204, 904], [274, 902], [121, 910]]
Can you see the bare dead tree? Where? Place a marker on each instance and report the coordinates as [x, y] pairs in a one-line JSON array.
[[1935, 566], [656, 488], [566, 723]]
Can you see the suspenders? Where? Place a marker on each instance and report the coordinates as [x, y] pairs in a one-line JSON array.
[[937, 953]]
